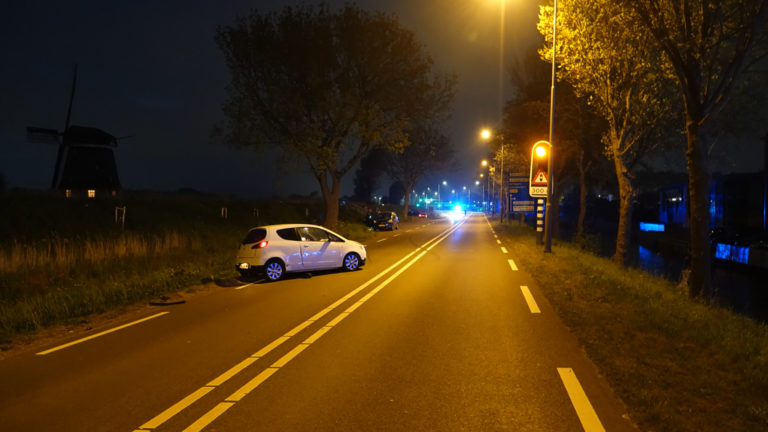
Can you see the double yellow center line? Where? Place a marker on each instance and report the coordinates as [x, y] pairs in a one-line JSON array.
[[228, 402]]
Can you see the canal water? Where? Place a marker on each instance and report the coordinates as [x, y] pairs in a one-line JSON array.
[[738, 287]]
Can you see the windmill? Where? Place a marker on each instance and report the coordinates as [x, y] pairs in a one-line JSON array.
[[85, 159]]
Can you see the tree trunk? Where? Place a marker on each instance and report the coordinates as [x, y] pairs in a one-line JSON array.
[[555, 212], [406, 201], [582, 199], [331, 199], [699, 281], [626, 200]]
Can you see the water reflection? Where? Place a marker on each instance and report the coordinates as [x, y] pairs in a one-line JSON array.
[[737, 287]]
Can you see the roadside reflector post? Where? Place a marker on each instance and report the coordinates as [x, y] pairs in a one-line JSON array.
[[540, 221]]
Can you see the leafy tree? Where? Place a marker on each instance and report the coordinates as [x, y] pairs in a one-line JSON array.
[[707, 44], [372, 166], [396, 193], [429, 151], [324, 86], [603, 56], [577, 131]]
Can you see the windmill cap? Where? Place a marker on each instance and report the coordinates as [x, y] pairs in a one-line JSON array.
[[90, 136]]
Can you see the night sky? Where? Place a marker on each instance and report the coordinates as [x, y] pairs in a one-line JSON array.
[[151, 71]]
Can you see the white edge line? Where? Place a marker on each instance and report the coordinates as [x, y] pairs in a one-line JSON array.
[[67, 345], [584, 410], [265, 374], [512, 264], [211, 415], [529, 299]]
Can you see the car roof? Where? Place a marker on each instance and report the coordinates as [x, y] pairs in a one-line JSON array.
[[291, 225], [296, 225]]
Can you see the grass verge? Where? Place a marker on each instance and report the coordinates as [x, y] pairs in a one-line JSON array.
[[679, 365], [61, 260]]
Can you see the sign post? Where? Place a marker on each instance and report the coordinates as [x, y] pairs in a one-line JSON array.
[[520, 201]]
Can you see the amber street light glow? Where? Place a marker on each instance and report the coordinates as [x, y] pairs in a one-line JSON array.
[[541, 151]]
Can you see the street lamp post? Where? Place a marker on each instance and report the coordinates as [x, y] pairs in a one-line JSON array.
[[439, 197], [491, 170], [486, 135], [548, 211], [501, 184]]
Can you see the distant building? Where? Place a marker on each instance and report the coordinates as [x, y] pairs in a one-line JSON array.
[[89, 167]]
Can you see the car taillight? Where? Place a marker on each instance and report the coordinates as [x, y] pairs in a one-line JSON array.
[[260, 245]]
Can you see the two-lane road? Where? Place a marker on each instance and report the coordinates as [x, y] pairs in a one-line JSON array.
[[439, 331]]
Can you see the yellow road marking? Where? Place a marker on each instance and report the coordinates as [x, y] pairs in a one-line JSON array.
[[261, 377], [529, 299], [275, 343], [221, 379], [252, 384], [589, 420], [209, 417], [512, 264], [176, 408], [503, 249], [67, 345]]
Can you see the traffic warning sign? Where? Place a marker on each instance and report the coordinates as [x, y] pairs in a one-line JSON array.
[[540, 179]]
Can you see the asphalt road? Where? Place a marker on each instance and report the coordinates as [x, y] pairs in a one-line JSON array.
[[440, 331]]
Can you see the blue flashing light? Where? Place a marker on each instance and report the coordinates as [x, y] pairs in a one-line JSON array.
[[739, 254], [651, 227], [723, 251]]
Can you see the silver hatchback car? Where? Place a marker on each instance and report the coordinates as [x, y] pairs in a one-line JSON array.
[[277, 249]]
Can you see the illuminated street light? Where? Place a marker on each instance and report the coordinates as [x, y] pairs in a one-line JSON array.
[[486, 134], [439, 197]]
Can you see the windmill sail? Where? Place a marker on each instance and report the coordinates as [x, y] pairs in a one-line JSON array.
[[85, 159]]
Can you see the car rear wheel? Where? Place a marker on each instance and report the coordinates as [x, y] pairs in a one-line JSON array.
[[351, 261], [274, 270]]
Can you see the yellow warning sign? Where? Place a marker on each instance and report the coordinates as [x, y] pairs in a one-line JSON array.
[[540, 179]]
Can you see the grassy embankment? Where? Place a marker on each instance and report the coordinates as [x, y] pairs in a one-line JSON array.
[[678, 364], [65, 259]]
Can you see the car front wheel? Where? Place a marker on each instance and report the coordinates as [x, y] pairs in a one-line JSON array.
[[351, 262], [274, 270]]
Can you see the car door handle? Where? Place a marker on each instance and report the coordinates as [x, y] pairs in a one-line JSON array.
[[306, 246]]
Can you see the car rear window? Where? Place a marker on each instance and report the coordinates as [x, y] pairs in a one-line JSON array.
[[255, 235], [288, 234]]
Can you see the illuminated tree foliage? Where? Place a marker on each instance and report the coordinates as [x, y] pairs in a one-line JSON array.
[[326, 87], [604, 57], [576, 134], [708, 44]]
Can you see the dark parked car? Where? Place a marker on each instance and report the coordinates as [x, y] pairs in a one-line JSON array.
[[386, 221], [417, 212]]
